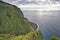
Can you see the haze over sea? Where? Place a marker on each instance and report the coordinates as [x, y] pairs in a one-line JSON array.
[[48, 21]]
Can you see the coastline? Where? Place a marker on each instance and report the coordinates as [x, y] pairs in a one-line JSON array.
[[37, 26]]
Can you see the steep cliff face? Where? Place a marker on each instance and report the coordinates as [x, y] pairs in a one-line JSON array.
[[13, 22]]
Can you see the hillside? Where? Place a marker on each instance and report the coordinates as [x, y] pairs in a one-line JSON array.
[[12, 20], [14, 26]]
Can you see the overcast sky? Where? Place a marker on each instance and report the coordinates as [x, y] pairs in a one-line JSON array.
[[36, 4]]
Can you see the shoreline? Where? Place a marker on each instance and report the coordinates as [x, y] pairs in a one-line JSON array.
[[37, 26]]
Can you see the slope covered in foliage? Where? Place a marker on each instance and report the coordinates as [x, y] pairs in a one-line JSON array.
[[14, 26], [30, 36], [12, 20], [36, 35]]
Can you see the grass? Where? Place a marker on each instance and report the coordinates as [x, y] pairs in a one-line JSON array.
[[29, 36]]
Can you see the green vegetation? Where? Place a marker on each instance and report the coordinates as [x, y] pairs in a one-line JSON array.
[[55, 38], [29, 36], [12, 20], [13, 25]]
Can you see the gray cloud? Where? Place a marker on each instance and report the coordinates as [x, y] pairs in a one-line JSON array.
[[37, 2], [54, 0]]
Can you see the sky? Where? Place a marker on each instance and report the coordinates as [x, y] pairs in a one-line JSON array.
[[36, 4]]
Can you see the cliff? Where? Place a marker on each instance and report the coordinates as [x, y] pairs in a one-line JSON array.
[[13, 24]]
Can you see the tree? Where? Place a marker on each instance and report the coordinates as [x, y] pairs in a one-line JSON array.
[[54, 38]]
